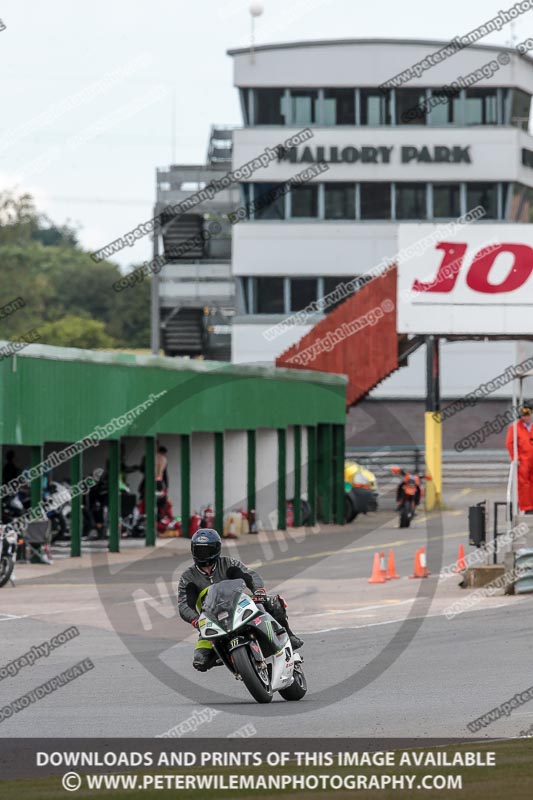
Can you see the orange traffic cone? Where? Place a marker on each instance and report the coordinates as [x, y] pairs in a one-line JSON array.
[[382, 566], [423, 563], [417, 569], [461, 565], [377, 575], [391, 567]]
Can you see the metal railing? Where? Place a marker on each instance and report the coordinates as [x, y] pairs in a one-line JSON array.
[[380, 459]]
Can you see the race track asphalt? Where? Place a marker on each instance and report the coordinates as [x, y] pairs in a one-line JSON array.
[[380, 660]]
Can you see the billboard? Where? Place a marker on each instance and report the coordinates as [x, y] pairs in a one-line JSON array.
[[465, 279]]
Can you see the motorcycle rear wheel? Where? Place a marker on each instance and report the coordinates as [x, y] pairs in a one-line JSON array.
[[246, 667], [6, 568], [298, 688]]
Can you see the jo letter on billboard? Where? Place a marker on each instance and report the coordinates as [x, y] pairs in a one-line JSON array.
[[477, 281]]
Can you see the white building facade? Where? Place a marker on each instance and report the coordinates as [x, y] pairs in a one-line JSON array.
[[405, 154]]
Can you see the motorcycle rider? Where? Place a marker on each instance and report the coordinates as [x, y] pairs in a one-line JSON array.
[[524, 444], [210, 567], [406, 477]]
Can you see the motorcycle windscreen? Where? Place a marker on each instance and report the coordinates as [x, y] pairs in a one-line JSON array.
[[222, 599]]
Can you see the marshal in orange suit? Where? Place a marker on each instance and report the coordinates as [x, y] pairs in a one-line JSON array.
[[524, 443]]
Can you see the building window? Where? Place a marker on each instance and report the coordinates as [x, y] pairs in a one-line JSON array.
[[246, 197], [245, 105], [303, 292], [520, 109], [520, 204], [410, 107], [303, 106], [269, 107], [339, 200], [483, 194], [411, 201], [304, 201], [375, 107], [444, 108], [243, 296], [341, 285], [339, 107], [375, 201], [269, 296], [446, 200], [481, 107], [269, 202]]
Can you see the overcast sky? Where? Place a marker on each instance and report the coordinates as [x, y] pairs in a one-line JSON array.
[[88, 86]]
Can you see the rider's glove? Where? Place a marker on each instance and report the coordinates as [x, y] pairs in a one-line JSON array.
[[194, 622], [259, 596]]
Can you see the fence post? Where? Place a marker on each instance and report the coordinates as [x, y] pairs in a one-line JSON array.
[[36, 484], [282, 479], [297, 476], [251, 460], [75, 507], [149, 490], [114, 495], [325, 471], [185, 477], [338, 484], [311, 473], [219, 481]]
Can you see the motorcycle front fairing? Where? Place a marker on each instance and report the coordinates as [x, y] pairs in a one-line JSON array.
[[227, 610], [230, 620]]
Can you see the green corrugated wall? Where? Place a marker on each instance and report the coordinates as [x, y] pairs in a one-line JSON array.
[[54, 394]]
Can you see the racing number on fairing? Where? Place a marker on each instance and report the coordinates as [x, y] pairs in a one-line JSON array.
[[478, 273]]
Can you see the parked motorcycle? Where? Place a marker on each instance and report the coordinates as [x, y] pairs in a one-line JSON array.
[[251, 643], [58, 494], [408, 494], [8, 552]]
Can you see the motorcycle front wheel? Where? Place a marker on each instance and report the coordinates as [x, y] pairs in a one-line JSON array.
[[257, 682], [405, 516], [298, 687], [6, 568]]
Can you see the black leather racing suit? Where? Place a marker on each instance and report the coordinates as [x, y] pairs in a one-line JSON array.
[[194, 580]]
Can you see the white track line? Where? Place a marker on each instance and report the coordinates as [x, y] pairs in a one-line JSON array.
[[402, 619], [8, 618], [359, 609]]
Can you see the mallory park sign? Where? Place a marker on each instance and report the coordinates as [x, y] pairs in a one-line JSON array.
[[437, 154]]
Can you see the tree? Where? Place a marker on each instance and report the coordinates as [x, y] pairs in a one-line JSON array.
[[20, 222], [131, 318], [43, 264], [72, 331]]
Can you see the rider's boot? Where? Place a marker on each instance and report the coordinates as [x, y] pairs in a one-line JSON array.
[[204, 659], [296, 642]]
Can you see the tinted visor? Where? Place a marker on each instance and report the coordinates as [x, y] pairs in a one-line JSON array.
[[206, 553]]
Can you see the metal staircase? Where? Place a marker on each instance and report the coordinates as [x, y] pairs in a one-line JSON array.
[[184, 332], [182, 229]]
